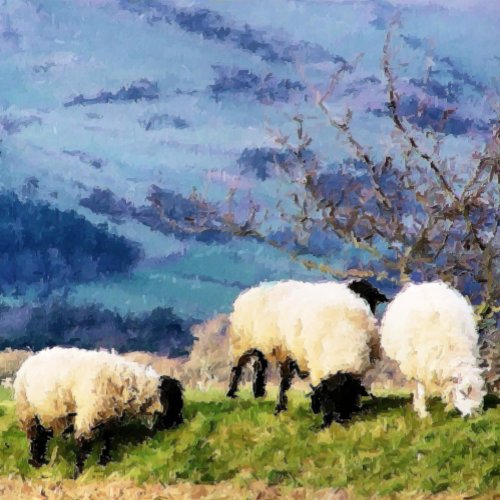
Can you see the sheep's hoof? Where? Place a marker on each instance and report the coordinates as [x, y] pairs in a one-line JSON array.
[[37, 463], [344, 419], [231, 395], [327, 425], [104, 460], [77, 471], [316, 428], [175, 422], [303, 375], [279, 409]]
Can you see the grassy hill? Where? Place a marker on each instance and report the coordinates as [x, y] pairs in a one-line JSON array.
[[384, 451]]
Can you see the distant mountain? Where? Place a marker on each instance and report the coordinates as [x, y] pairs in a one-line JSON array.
[[59, 323], [49, 247]]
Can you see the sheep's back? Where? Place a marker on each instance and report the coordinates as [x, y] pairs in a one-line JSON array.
[[43, 387], [118, 388], [94, 386], [329, 329], [427, 329], [254, 322]]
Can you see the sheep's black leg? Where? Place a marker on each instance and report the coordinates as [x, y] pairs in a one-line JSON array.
[[287, 371], [329, 404], [66, 433], [330, 417], [329, 408], [236, 372], [259, 378], [172, 401], [301, 374], [39, 437], [349, 395], [259, 375], [84, 447], [107, 438]]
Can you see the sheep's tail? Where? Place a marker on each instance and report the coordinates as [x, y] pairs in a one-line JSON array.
[[23, 407], [375, 347], [237, 344], [172, 401]]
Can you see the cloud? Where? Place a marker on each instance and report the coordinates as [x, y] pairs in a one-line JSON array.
[[267, 89], [449, 91], [456, 4], [161, 121], [213, 26], [261, 161], [93, 161], [168, 212], [14, 124], [425, 113], [139, 90], [103, 201]]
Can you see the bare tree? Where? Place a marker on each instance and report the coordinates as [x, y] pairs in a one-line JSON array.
[[412, 213]]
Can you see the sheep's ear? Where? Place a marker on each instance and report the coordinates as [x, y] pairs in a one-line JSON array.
[[367, 291]]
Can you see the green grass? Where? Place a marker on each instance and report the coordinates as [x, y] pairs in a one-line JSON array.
[[385, 450]]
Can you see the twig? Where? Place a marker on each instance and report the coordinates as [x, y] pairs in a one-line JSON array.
[[398, 122]]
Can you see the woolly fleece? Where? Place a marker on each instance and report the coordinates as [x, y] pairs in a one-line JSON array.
[[325, 327], [430, 330], [93, 386]]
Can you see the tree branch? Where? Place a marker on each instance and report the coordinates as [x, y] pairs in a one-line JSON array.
[[393, 100]]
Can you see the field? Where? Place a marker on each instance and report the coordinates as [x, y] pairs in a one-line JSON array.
[[385, 451]]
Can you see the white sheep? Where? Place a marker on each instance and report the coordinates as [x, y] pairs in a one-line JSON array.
[[430, 330], [59, 390], [325, 329], [7, 383]]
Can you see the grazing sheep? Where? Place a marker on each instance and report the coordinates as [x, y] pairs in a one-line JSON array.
[[316, 329], [73, 390], [254, 332], [430, 330], [7, 383]]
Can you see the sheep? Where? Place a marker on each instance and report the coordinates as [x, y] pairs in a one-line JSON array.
[[430, 331], [319, 330], [61, 390], [7, 383]]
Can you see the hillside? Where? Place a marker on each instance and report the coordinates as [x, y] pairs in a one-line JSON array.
[[240, 443]]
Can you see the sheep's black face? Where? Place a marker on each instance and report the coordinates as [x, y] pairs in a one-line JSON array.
[[316, 399], [172, 402], [347, 396], [368, 292], [338, 397]]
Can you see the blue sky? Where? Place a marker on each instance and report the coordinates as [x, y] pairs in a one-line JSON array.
[[124, 94]]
